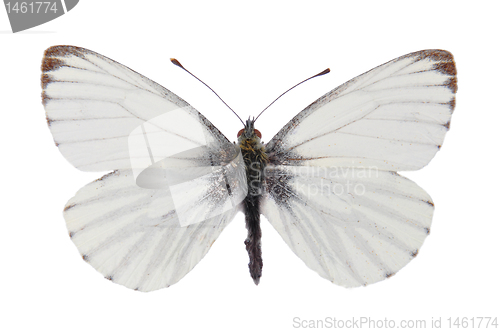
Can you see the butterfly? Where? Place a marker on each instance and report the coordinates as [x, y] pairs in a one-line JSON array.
[[327, 181]]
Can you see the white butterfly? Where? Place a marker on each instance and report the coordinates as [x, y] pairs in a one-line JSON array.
[[327, 181]]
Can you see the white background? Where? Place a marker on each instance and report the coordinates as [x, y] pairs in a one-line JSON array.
[[250, 52]]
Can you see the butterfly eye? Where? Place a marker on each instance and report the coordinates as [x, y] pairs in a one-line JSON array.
[[259, 135]]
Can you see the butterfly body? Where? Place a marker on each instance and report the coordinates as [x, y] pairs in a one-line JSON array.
[[255, 159]]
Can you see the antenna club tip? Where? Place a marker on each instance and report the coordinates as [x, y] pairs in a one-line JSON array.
[[326, 71], [176, 62]]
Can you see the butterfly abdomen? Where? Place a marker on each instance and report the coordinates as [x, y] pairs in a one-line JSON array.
[[255, 160]]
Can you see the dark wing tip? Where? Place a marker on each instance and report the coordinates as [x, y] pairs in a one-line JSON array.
[[52, 56], [452, 103], [50, 64], [62, 51], [446, 67], [45, 80], [435, 55], [444, 60], [45, 98], [445, 64], [452, 84]]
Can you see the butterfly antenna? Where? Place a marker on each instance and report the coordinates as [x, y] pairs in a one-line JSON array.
[[178, 64], [326, 71]]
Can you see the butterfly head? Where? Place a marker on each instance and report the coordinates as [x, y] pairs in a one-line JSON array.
[[249, 132]]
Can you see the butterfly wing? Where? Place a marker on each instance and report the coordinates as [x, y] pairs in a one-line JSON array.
[[93, 104], [393, 117], [178, 181], [332, 191], [133, 236], [352, 227]]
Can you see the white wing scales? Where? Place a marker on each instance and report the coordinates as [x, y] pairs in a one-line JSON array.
[[351, 228], [393, 117], [132, 235], [93, 104], [356, 137]]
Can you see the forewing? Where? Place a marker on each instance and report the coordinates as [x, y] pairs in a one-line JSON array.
[[352, 226], [94, 104], [394, 117], [133, 235]]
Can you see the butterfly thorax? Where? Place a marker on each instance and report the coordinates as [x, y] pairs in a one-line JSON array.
[[255, 159]]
